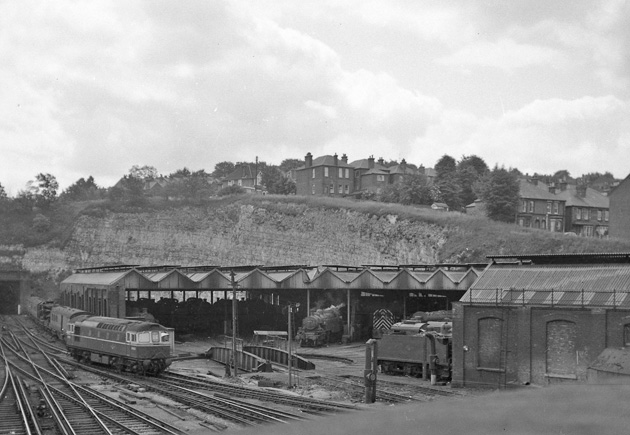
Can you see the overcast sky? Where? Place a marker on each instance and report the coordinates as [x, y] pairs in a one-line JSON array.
[[95, 87]]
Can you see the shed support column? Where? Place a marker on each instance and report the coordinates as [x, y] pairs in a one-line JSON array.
[[348, 310], [404, 306], [308, 301]]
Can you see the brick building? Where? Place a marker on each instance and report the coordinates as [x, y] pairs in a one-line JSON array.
[[539, 207], [620, 210], [541, 319], [326, 175], [586, 210]]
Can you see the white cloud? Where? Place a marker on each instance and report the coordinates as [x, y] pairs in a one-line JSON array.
[[504, 54]]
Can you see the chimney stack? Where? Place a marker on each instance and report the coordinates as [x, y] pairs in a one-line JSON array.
[[308, 160], [381, 161], [370, 162], [344, 158], [336, 159], [534, 181], [581, 190]]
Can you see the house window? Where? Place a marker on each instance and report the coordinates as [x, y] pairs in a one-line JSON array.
[[325, 171], [605, 215], [593, 214], [347, 173], [555, 207], [531, 206], [578, 214], [588, 230], [313, 175], [599, 215], [347, 189], [380, 178], [332, 188], [340, 172], [313, 189], [524, 208], [240, 182], [340, 189], [548, 206]]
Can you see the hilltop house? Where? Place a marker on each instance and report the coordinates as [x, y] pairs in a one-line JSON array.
[[539, 207], [245, 176], [326, 175], [586, 210]]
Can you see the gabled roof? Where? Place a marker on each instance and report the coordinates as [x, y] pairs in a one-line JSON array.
[[528, 190], [99, 278], [592, 198], [241, 172], [402, 169]]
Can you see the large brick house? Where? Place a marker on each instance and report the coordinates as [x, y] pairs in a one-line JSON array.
[[586, 210], [326, 175], [539, 207], [620, 210]]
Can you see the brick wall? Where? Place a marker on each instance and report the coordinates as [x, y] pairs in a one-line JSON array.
[[541, 346], [619, 225]]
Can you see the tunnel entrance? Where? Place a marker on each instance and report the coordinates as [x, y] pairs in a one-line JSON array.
[[9, 297]]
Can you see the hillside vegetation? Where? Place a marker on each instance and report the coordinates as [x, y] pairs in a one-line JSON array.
[[267, 230]]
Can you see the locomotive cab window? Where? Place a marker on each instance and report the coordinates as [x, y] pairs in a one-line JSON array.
[[164, 337], [155, 336], [131, 337], [144, 337]]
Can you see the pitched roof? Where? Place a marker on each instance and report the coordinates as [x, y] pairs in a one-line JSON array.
[[241, 172], [365, 164], [530, 191], [592, 199], [565, 285]]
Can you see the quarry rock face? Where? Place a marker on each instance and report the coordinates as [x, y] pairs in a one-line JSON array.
[[236, 234]]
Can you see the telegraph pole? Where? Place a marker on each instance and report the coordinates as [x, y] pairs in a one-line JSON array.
[[234, 308], [290, 344]]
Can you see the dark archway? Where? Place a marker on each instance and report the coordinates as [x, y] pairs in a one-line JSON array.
[[9, 297]]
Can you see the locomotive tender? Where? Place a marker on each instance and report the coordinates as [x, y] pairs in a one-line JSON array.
[[127, 345], [418, 347]]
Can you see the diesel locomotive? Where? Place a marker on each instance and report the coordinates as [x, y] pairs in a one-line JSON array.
[[128, 345]]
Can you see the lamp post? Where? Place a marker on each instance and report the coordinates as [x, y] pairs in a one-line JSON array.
[[234, 311]]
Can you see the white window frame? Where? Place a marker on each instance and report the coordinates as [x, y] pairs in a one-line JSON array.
[[347, 173], [325, 171]]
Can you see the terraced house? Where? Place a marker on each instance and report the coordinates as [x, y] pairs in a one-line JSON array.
[[539, 207], [587, 210]]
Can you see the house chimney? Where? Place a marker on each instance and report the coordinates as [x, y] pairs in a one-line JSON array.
[[534, 181], [552, 188], [421, 169], [336, 159], [403, 166], [308, 160], [370, 162], [581, 190], [562, 185], [381, 162], [344, 159]]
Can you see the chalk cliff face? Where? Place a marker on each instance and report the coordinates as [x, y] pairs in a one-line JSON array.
[[238, 234]]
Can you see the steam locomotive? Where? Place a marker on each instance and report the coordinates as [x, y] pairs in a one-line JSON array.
[[419, 346], [322, 327], [128, 345]]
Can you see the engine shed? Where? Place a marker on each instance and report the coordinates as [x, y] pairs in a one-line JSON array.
[[541, 319], [200, 297]]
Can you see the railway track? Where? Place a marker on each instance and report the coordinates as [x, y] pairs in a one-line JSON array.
[[407, 387], [356, 389], [68, 407]]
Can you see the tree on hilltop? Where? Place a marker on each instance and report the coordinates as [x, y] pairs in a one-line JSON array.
[[499, 190]]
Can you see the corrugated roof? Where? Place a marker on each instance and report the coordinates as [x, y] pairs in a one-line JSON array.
[[601, 285]]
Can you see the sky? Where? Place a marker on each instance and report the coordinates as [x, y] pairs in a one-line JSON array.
[[94, 88]]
